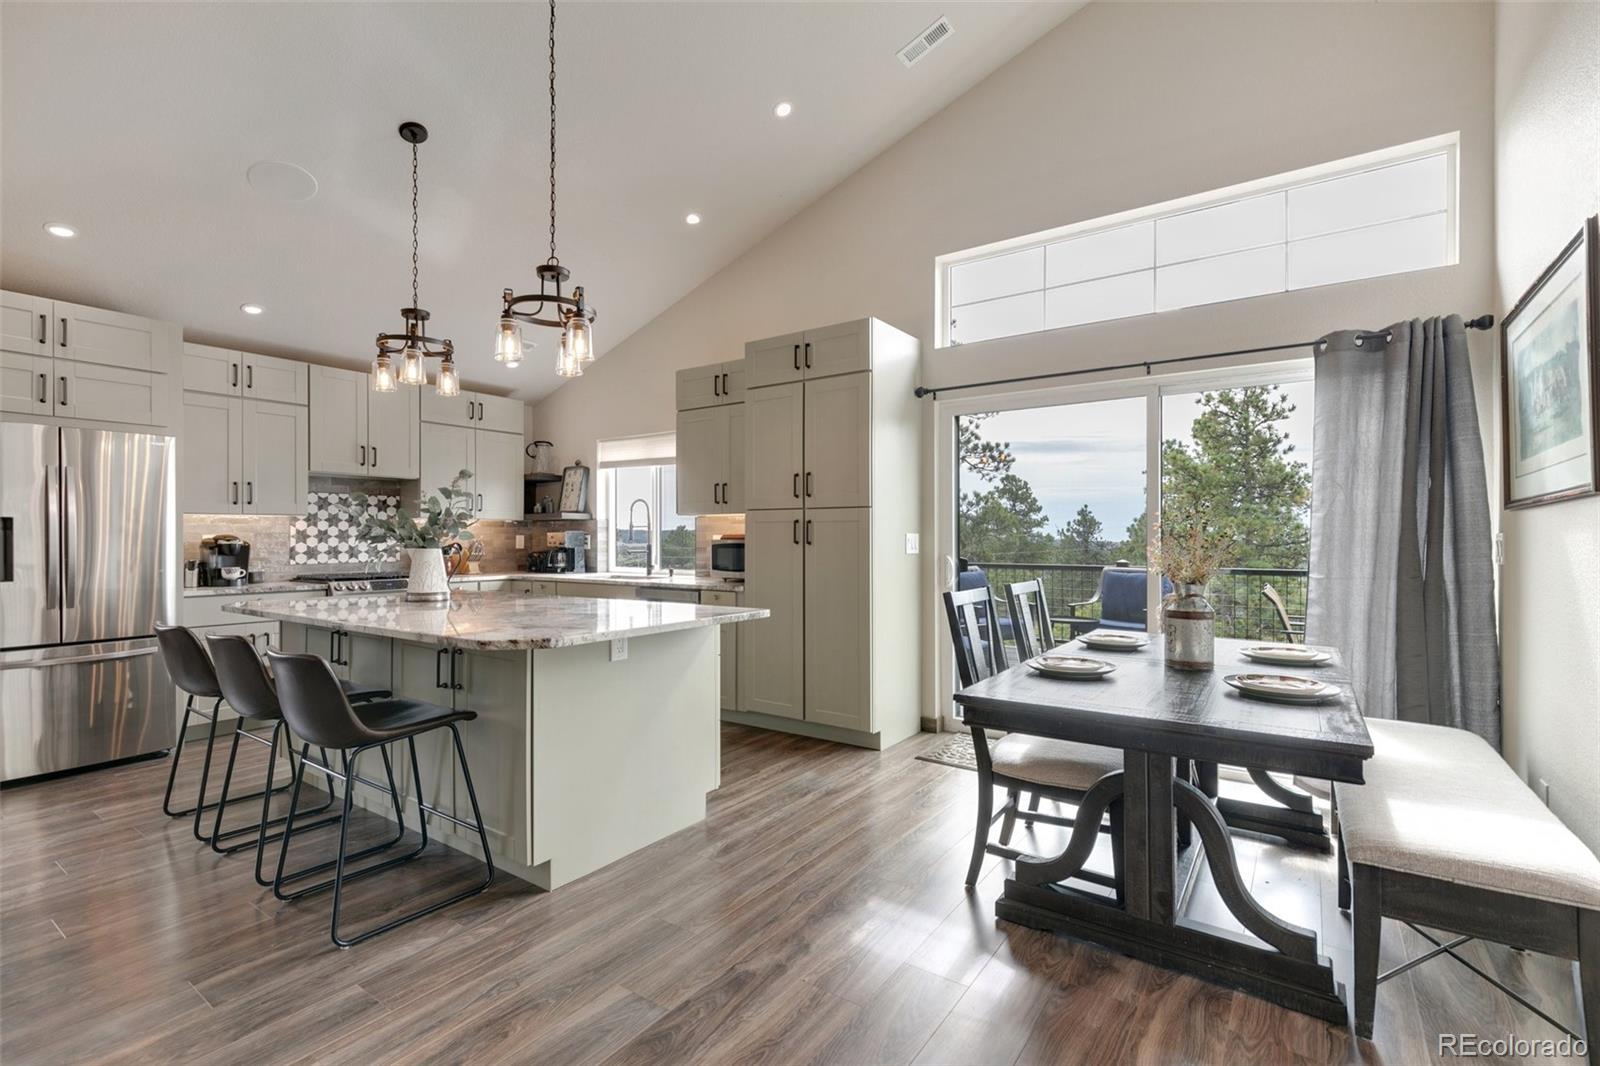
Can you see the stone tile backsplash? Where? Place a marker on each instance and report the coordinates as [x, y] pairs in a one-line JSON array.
[[328, 532]]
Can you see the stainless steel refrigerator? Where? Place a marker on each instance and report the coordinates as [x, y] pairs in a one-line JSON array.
[[88, 551]]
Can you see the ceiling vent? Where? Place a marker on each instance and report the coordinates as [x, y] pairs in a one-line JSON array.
[[925, 42]]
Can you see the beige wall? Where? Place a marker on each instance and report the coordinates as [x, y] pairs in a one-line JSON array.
[[1547, 134], [1121, 106]]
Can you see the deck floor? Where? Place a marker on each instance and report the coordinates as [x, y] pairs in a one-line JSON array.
[[817, 915]]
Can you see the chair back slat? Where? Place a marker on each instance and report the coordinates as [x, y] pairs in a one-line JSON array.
[[1030, 618], [975, 632]]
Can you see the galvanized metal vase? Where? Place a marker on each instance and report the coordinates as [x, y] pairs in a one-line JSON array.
[[1188, 622]]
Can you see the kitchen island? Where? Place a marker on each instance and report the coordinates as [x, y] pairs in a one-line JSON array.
[[598, 720]]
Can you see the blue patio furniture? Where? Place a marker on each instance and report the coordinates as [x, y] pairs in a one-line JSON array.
[[972, 577], [1121, 597]]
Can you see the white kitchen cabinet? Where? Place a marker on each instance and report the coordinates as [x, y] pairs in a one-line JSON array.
[[473, 410], [267, 377], [394, 433], [26, 325], [596, 590], [494, 685], [274, 457], [838, 442], [212, 370], [710, 447], [338, 432], [838, 608], [712, 385], [733, 494], [446, 451], [211, 456], [773, 361], [730, 647], [535, 588], [501, 414], [772, 650], [27, 386], [110, 394], [110, 338], [817, 353], [497, 475], [774, 449]]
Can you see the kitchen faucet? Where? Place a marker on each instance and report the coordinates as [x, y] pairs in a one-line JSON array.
[[648, 568]]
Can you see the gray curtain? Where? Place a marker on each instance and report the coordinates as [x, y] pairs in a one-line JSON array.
[[1402, 576]]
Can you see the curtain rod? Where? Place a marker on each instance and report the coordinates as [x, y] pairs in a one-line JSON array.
[[1481, 322]]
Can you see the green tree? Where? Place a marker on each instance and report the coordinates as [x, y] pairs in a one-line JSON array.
[[1080, 539], [987, 460], [1005, 524], [1241, 469], [1134, 541]]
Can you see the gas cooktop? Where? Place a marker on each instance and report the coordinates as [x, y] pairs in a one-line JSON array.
[[358, 581]]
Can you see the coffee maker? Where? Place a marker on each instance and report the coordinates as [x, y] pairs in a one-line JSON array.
[[224, 561]]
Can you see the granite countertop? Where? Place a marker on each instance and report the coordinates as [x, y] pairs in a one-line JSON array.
[[492, 621], [258, 589], [655, 581]]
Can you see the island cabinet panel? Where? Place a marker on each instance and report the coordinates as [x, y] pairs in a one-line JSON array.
[[494, 685], [352, 656], [422, 672]]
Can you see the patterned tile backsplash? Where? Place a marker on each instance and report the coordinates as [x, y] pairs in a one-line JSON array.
[[328, 535]]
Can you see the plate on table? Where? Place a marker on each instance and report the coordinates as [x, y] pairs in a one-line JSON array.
[[1073, 667], [1282, 687], [1286, 655], [1109, 641]]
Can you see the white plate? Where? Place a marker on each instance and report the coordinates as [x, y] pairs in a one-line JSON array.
[[1282, 687], [1285, 655], [1070, 666], [1117, 641]]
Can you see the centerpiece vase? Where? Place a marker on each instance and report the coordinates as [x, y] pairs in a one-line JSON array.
[[1188, 621], [426, 582]]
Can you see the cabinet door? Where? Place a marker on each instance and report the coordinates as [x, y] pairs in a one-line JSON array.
[[495, 685], [772, 650], [838, 617], [838, 442], [459, 410], [212, 466], [26, 324], [733, 490], [276, 457], [702, 459], [497, 477], [773, 361], [90, 335], [214, 370], [422, 672], [730, 647], [774, 446], [499, 413], [27, 385], [446, 451], [700, 386], [111, 394], [842, 349], [279, 380], [394, 431], [733, 384], [338, 434]]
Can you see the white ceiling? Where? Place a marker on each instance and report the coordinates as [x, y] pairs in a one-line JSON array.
[[136, 123]]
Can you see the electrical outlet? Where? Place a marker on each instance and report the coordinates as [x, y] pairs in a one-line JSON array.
[[619, 649], [913, 543], [1544, 791], [522, 542], [553, 540]]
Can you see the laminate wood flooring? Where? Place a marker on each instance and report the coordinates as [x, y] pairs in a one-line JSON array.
[[816, 916]]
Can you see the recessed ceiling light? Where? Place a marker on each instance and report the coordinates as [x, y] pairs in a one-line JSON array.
[[783, 109], [692, 218], [59, 229], [251, 309], [278, 180]]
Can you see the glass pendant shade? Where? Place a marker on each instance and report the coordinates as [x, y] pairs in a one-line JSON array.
[[383, 379], [579, 339], [508, 343], [448, 383], [566, 365], [412, 371]]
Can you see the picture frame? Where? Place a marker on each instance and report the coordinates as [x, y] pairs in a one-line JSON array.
[[575, 489], [1549, 367]]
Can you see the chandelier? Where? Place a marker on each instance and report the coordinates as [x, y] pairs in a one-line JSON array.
[[414, 345], [549, 306]]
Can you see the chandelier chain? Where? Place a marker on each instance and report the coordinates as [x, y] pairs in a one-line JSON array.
[[414, 301], [553, 258]]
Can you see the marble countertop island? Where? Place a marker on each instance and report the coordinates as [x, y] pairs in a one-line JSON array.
[[496, 621]]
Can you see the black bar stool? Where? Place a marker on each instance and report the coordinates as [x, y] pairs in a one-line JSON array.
[[318, 712]]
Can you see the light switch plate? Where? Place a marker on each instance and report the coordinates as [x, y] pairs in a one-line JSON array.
[[619, 649], [522, 542], [913, 543]]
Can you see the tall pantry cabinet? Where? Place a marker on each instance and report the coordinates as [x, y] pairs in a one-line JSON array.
[[832, 499]]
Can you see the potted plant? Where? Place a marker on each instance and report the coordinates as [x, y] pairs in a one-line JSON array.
[[425, 538], [1188, 548]]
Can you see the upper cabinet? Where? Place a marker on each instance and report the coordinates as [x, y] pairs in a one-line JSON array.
[[473, 410], [26, 324], [110, 338], [223, 372], [711, 386], [816, 353], [481, 433], [711, 431], [358, 432], [242, 456]]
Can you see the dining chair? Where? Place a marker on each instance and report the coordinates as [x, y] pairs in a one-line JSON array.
[[1294, 629], [1030, 618], [1056, 769]]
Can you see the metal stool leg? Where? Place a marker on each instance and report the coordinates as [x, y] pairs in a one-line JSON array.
[[348, 759], [200, 804], [217, 835]]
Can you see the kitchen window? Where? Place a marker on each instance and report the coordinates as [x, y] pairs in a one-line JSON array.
[[639, 506], [1382, 213]]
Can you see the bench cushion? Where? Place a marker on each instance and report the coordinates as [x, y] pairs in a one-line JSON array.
[[1053, 762], [1441, 803]]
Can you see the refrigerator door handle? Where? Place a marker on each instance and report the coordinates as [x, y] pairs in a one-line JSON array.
[[69, 499], [52, 577]]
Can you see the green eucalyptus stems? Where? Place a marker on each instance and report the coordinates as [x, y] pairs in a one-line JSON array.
[[444, 520]]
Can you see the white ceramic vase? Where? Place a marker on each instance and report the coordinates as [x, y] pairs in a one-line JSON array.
[[427, 582]]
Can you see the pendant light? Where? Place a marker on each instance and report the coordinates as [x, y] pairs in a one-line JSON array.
[[570, 314], [414, 346]]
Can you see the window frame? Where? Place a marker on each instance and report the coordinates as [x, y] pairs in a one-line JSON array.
[[1448, 144], [609, 501]]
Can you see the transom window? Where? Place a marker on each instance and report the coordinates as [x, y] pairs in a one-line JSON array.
[[1383, 213]]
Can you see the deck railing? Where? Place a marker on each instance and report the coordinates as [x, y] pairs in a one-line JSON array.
[[1242, 610]]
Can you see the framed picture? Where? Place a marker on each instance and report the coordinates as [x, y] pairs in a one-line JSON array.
[[575, 489], [1549, 362]]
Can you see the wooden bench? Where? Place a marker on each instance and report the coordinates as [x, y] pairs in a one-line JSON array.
[[1445, 834]]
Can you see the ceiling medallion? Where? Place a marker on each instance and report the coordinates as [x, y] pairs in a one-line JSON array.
[[549, 306], [414, 345]]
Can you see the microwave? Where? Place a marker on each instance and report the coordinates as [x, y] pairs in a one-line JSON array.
[[727, 558]]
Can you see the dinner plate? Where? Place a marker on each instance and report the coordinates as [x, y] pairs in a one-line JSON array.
[[1115, 641], [1286, 655], [1069, 666], [1282, 687]]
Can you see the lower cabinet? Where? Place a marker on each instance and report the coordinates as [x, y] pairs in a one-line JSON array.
[[838, 605], [730, 648], [772, 650], [353, 656]]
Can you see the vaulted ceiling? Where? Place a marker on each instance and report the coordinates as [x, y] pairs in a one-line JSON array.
[[136, 123]]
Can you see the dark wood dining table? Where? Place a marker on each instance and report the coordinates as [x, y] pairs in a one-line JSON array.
[[1170, 724]]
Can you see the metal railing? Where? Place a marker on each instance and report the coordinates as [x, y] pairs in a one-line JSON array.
[[1242, 610]]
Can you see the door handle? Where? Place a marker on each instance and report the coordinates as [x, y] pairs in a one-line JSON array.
[[797, 485], [808, 484], [43, 327], [480, 410], [233, 375], [235, 492], [808, 355], [480, 501], [44, 388], [52, 579], [725, 493], [724, 383], [63, 380], [250, 493], [363, 455], [716, 491], [374, 457], [250, 377], [797, 531], [455, 653], [469, 410], [716, 384], [797, 357], [69, 501], [438, 668], [63, 332], [333, 643], [808, 531]]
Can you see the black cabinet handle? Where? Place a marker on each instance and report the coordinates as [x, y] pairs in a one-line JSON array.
[[480, 501], [808, 531], [63, 333], [797, 531], [724, 383], [250, 493], [716, 384], [808, 355], [438, 668], [44, 388], [797, 485], [250, 377], [724, 492], [233, 375], [808, 484], [42, 330], [469, 410], [235, 492], [363, 455], [374, 457], [797, 357], [716, 488], [454, 684], [63, 399]]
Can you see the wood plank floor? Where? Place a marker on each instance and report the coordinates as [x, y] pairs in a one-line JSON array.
[[817, 915]]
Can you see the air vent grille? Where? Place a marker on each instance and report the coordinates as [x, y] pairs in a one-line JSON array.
[[925, 41]]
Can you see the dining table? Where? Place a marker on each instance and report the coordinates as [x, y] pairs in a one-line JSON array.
[[1174, 728]]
